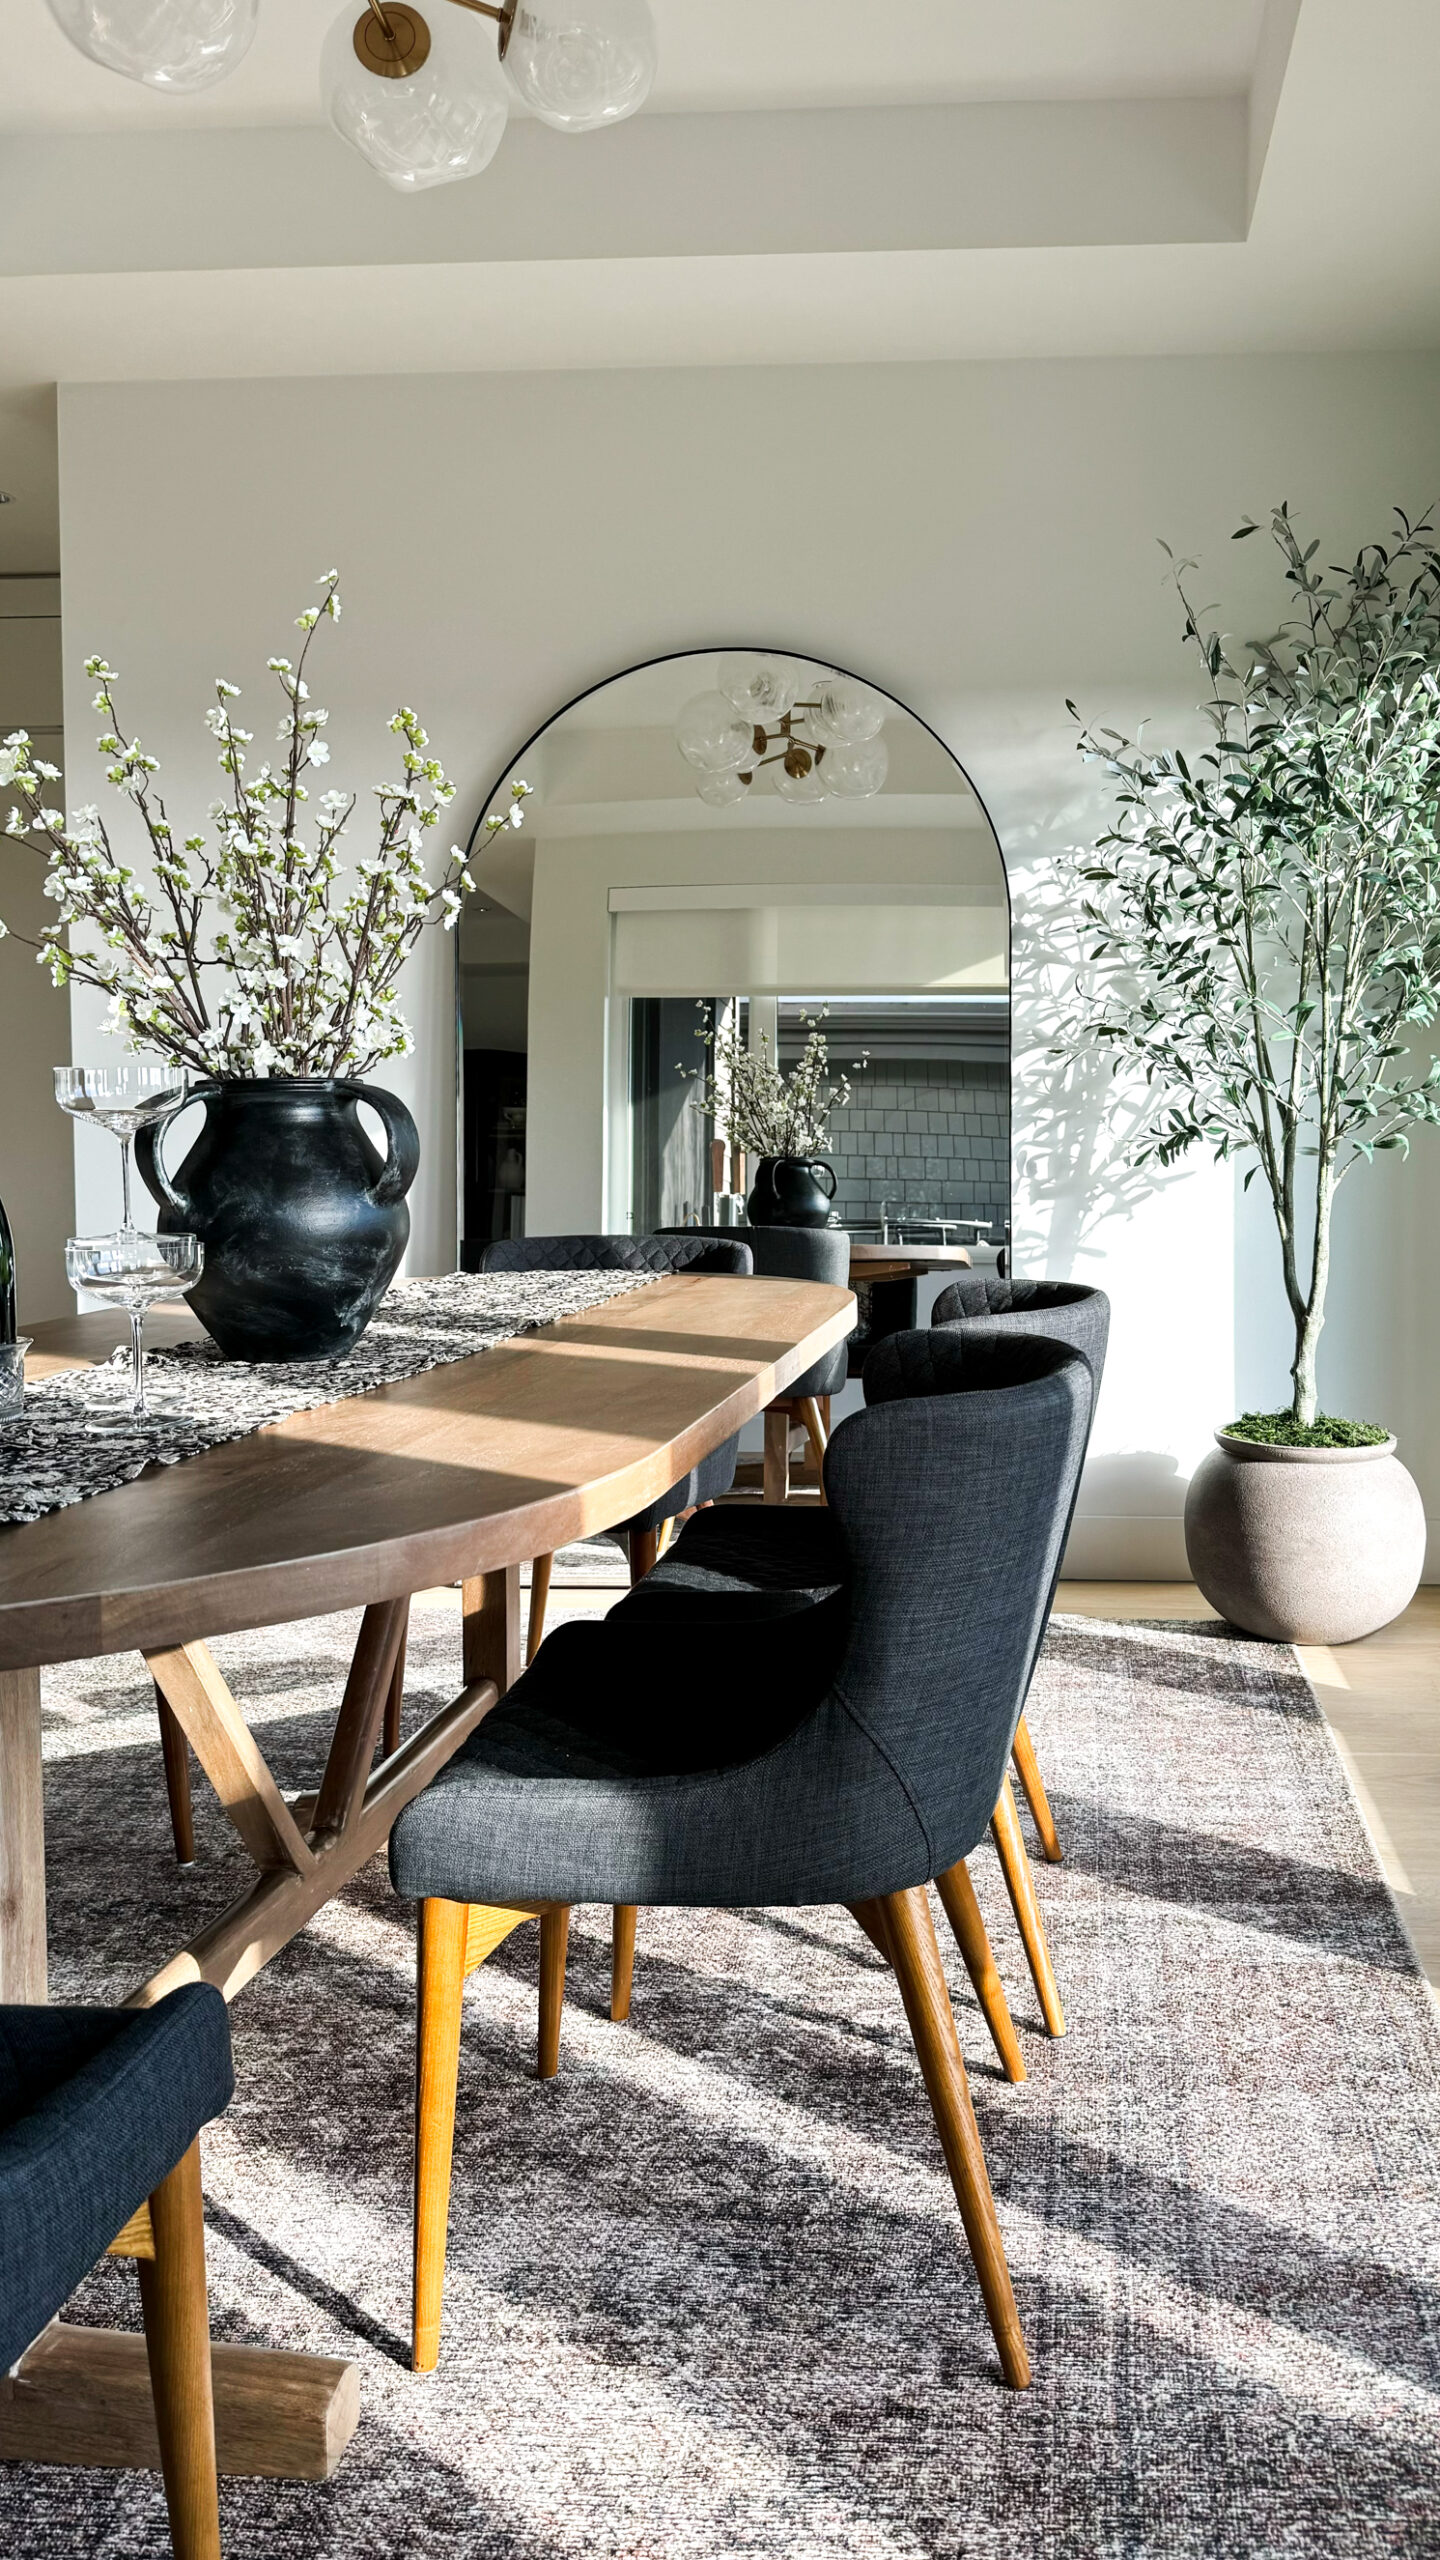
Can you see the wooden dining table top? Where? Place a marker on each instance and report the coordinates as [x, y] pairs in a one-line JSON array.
[[475, 1465]]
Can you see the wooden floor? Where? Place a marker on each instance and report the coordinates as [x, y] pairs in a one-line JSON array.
[[1382, 1700]]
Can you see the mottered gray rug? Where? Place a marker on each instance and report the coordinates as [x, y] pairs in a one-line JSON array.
[[708, 2295]]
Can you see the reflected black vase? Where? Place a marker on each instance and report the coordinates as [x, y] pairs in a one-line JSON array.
[[302, 1222], [787, 1192]]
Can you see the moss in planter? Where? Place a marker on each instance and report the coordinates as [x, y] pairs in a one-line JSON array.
[[1327, 1431]]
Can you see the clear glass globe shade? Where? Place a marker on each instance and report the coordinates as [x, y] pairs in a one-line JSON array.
[[168, 44], [856, 772], [848, 713], [802, 790], [582, 63], [445, 121], [765, 688], [712, 735], [721, 790]]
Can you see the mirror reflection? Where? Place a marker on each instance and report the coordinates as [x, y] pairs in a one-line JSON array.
[[731, 845]]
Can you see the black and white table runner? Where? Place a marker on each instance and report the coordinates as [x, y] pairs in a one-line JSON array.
[[51, 1454]]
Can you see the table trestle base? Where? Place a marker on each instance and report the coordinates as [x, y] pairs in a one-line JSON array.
[[84, 2396]]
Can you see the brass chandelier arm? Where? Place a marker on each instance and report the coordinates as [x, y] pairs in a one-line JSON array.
[[504, 18]]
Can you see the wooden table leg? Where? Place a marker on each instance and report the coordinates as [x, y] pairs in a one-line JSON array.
[[22, 1839], [491, 1607], [777, 1454]]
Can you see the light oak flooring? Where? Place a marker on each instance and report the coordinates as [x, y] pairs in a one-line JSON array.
[[1381, 1698]]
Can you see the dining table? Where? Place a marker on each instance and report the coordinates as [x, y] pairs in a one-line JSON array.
[[457, 1476]]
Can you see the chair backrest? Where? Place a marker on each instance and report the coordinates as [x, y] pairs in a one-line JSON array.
[[1063, 1310], [952, 1493], [787, 1253], [691, 1249]]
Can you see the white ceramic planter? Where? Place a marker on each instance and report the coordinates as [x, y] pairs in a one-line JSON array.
[[1305, 1546]]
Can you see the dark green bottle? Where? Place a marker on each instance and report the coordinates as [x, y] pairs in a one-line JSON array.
[[7, 1279]]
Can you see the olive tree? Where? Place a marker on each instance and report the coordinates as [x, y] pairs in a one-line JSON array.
[[1261, 922]]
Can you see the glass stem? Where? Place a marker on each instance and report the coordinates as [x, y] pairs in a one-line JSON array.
[[137, 1363], [125, 1181]]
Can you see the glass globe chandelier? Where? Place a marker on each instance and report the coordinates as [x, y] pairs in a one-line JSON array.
[[179, 45], [825, 746], [421, 102]]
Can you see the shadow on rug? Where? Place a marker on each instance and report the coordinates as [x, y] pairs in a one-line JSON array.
[[708, 2294]]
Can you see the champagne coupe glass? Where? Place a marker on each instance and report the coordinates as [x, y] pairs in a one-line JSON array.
[[133, 1271], [123, 1099]]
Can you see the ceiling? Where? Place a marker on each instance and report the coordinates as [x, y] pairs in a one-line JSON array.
[[717, 55], [840, 181]]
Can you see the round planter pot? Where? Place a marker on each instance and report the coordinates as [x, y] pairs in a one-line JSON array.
[[1304, 1546], [302, 1222]]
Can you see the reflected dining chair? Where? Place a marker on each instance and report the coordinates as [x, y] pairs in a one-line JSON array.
[[100, 2110], [624, 1768], [797, 1253]]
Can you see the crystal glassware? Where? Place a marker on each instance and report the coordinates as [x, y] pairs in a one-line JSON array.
[[133, 1271], [122, 1099]]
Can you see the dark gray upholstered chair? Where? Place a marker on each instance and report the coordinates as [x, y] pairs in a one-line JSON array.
[[689, 1249], [99, 2114], [797, 1253], [990, 1310], [628, 1766]]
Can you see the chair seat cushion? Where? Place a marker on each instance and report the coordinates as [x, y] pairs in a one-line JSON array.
[[618, 1767], [96, 2107]]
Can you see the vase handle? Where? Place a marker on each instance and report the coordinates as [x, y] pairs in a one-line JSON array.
[[403, 1161], [152, 1164], [817, 1165]]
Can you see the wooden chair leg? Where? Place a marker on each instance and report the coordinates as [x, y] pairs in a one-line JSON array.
[[1020, 1885], [622, 1960], [394, 1701], [539, 1594], [175, 1751], [441, 1983], [817, 1434], [1027, 1769], [963, 1913], [910, 1932], [644, 1545], [777, 1454], [554, 1941], [177, 2344]]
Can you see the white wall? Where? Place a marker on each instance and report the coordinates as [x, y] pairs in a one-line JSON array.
[[34, 1017], [979, 539]]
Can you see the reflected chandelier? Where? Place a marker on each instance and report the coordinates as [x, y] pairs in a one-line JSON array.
[[422, 105], [821, 733]]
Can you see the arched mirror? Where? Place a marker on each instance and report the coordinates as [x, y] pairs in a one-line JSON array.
[[734, 843]]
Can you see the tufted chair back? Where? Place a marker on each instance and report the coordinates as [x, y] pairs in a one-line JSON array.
[[1063, 1310], [952, 1493], [689, 1250], [797, 1253]]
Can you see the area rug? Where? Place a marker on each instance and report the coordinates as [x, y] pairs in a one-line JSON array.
[[707, 2293]]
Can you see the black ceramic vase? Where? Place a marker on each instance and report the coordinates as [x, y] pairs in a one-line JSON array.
[[302, 1222], [788, 1192]]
